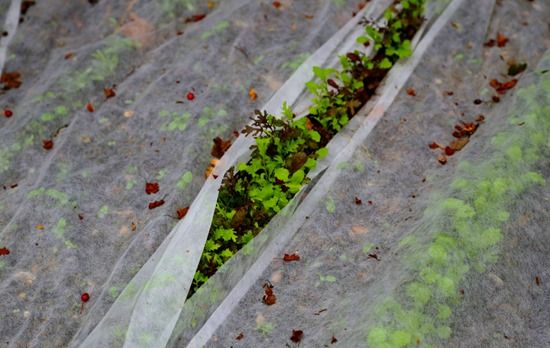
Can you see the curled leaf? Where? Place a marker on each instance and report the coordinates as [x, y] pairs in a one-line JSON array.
[[156, 204]]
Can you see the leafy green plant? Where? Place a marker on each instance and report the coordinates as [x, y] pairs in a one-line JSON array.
[[287, 148]]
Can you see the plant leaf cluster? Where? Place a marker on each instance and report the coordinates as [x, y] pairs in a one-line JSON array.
[[287, 148]]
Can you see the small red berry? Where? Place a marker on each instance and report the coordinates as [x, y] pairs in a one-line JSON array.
[[190, 96], [85, 297], [8, 113], [47, 144]]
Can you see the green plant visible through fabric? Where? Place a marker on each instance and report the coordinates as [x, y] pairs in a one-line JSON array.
[[469, 230]]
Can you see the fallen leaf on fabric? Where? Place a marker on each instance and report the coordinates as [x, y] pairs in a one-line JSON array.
[[252, 94], [151, 187], [109, 92], [220, 147], [25, 5], [297, 336], [411, 92], [276, 4], [47, 144], [358, 201], [490, 43], [501, 40], [449, 151], [291, 257], [89, 107], [333, 340], [537, 280], [69, 55], [4, 251], [10, 80], [156, 204], [239, 337], [269, 297], [181, 212], [195, 18], [458, 144], [516, 68], [434, 146], [507, 85]]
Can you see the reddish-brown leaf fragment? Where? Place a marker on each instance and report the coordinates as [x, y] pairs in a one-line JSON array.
[[8, 113], [4, 251], [449, 151], [291, 257], [537, 280], [480, 118], [434, 145], [252, 94], [195, 18], [69, 55], [181, 212], [151, 187], [457, 145], [89, 107], [297, 336], [494, 83], [269, 297], [358, 201], [276, 4], [501, 40], [47, 144], [240, 336], [156, 204], [490, 43], [220, 147], [507, 85], [109, 92], [333, 340], [10, 80], [411, 92]]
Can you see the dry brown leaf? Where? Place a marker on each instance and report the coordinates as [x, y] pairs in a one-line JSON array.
[[458, 144]]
